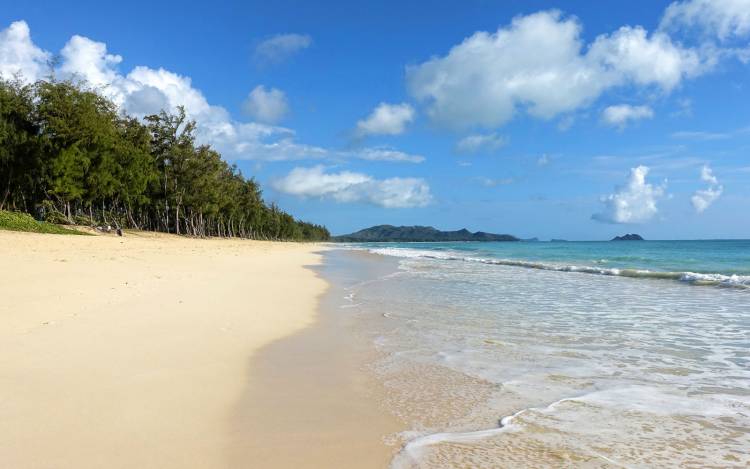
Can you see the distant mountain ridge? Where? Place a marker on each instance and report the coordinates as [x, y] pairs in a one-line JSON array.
[[390, 233]]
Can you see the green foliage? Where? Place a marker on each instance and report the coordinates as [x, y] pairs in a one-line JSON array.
[[16, 221], [83, 220], [57, 218], [69, 156]]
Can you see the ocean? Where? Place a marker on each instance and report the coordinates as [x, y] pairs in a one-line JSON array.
[[560, 354]]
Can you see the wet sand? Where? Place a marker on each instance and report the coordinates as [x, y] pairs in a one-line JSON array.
[[321, 407]]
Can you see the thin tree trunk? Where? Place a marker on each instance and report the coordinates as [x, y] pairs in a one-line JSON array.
[[7, 189]]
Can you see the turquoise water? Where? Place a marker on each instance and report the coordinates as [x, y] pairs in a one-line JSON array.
[[709, 262], [581, 354]]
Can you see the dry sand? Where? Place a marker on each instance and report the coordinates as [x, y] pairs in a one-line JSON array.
[[135, 352]]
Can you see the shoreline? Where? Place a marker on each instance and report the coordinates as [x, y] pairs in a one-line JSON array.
[[322, 406], [133, 351]]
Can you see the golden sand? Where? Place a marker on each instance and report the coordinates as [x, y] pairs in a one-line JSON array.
[[136, 351]]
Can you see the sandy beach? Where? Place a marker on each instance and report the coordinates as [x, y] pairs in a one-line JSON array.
[[136, 351]]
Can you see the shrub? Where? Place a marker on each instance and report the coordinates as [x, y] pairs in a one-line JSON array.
[[15, 221]]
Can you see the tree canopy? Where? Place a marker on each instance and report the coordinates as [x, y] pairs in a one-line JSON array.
[[69, 155]]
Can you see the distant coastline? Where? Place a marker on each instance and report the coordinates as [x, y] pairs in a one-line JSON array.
[[390, 233]]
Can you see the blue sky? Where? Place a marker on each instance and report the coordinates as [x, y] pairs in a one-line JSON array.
[[576, 120]]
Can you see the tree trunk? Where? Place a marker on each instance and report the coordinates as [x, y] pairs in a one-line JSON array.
[[7, 189], [177, 219]]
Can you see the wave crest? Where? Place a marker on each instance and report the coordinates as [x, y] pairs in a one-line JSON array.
[[693, 278]]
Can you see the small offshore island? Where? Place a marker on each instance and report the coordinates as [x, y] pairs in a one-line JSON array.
[[628, 237]]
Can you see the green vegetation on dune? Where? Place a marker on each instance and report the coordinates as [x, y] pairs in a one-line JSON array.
[[69, 155], [15, 221]]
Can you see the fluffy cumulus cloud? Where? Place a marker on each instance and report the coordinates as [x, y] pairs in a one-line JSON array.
[[266, 105], [702, 199], [146, 90], [349, 187], [19, 55], [281, 47], [480, 142], [622, 114], [725, 19], [89, 59], [386, 119], [540, 64], [635, 202]]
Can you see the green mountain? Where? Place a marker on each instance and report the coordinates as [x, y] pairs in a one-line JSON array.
[[389, 233], [628, 237]]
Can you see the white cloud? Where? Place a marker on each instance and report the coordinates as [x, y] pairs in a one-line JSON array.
[[477, 142], [684, 108], [707, 175], [700, 135], [386, 119], [635, 202], [543, 160], [386, 154], [622, 114], [19, 54], [146, 100], [724, 19], [278, 48], [145, 90], [540, 64], [89, 60], [266, 105], [489, 182], [634, 56], [347, 186], [702, 199]]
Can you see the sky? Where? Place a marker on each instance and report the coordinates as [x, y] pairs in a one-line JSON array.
[[573, 120]]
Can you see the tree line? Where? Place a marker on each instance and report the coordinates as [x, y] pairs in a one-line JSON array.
[[69, 155]]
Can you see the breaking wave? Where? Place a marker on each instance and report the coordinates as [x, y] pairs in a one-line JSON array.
[[693, 278]]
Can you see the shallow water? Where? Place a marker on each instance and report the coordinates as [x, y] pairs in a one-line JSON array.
[[723, 263], [497, 365]]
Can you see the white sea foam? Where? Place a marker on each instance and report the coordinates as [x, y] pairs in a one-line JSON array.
[[516, 365], [644, 399], [413, 450], [653, 400], [694, 278]]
